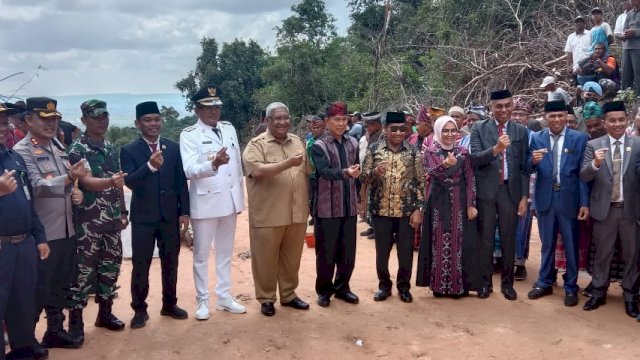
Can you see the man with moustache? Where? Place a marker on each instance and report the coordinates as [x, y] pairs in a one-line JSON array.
[[211, 159], [335, 156], [22, 242], [55, 196], [159, 208], [500, 149], [393, 170], [561, 198], [275, 162], [99, 220], [611, 164]]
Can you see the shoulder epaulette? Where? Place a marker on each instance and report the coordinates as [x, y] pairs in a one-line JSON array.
[[189, 128]]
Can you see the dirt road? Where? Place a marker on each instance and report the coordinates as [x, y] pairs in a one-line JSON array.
[[429, 328]]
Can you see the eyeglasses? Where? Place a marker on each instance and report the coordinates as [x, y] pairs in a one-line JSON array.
[[449, 132], [281, 118], [397, 129]]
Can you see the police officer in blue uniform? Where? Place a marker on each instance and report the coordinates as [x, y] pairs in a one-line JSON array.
[[22, 241]]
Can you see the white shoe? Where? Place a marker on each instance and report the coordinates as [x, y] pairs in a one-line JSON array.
[[203, 310], [230, 305]]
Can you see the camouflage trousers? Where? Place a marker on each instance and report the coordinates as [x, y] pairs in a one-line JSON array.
[[99, 258]]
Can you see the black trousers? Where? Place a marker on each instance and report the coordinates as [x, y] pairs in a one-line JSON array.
[[18, 272], [143, 238], [505, 211], [384, 228], [335, 254], [55, 275]]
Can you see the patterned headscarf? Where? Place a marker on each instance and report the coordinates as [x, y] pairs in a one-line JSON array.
[[423, 114], [592, 110], [520, 104], [439, 126], [336, 109]]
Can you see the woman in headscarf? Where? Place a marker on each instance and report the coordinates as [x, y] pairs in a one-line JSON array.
[[600, 65], [442, 261]]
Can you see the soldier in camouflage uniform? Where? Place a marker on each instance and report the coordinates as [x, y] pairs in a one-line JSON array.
[[99, 220]]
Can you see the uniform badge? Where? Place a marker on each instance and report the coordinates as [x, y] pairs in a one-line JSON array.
[[164, 147], [628, 148], [211, 157], [38, 152], [51, 105], [34, 142], [212, 91]]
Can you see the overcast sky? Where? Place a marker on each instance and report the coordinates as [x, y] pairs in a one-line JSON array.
[[129, 46]]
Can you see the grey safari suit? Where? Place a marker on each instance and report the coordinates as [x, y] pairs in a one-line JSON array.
[[48, 166]]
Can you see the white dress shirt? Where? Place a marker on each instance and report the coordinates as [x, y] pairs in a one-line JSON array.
[[505, 168], [560, 151]]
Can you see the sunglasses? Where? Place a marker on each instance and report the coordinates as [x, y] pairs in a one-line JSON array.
[[397, 129]]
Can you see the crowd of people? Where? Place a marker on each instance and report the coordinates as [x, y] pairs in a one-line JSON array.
[[459, 186]]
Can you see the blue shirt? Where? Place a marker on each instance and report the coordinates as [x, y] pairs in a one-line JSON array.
[[17, 215]]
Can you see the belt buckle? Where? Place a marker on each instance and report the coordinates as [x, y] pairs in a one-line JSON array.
[[556, 187]]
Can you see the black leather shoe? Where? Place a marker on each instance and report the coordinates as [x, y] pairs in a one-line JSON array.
[[347, 296], [405, 296], [538, 292], [631, 308], [438, 294], [60, 339], [324, 300], [297, 303], [594, 303], [521, 273], [268, 309], [571, 299], [40, 352], [139, 319], [367, 232], [484, 292], [588, 290], [174, 311], [381, 295], [510, 294]]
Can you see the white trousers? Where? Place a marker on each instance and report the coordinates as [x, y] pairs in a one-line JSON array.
[[221, 231]]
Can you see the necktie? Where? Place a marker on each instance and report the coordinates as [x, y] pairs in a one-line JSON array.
[[556, 156], [617, 166], [217, 131], [500, 133], [153, 147]]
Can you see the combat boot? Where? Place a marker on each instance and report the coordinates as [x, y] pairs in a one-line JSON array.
[[55, 336], [76, 326], [106, 319]]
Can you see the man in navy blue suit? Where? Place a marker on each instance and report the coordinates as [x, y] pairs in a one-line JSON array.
[[159, 208], [561, 198]]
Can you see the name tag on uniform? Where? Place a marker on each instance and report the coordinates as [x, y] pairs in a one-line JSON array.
[[42, 158], [207, 142]]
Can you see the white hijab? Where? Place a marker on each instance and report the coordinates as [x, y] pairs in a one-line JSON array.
[[437, 130]]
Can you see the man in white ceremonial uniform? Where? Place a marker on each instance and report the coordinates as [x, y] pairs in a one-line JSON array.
[[212, 162]]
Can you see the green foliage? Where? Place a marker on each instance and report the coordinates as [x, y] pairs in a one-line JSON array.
[[310, 23], [397, 54], [235, 70]]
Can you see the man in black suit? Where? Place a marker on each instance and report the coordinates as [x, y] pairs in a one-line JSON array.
[[159, 208], [499, 150]]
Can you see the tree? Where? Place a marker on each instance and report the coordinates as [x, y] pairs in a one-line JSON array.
[[235, 70], [311, 22]]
